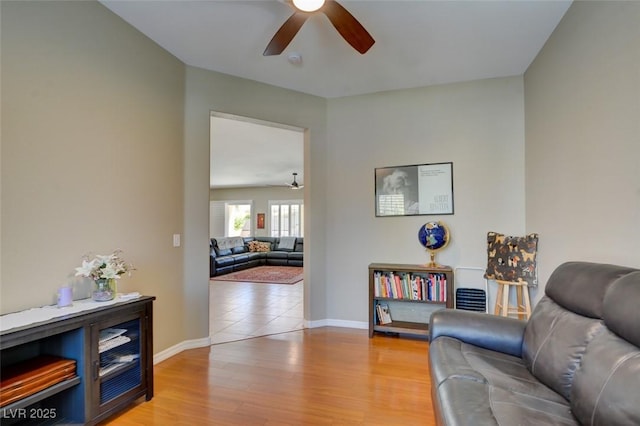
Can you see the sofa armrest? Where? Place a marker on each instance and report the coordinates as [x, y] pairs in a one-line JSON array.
[[492, 332]]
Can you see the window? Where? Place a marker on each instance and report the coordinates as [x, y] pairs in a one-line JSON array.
[[230, 218], [286, 218]]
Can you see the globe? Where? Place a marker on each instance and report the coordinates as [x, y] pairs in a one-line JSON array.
[[434, 236]]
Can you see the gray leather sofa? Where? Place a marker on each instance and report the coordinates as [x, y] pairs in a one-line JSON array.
[[575, 362], [240, 257]]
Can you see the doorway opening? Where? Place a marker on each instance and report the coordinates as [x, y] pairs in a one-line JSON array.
[[251, 197]]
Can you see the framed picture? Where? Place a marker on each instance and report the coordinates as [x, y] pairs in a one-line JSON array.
[[260, 221], [422, 189]]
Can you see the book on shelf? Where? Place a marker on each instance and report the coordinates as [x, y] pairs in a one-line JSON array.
[[384, 314], [410, 286]]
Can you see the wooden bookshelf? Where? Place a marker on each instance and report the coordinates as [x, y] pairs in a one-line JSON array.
[[411, 292]]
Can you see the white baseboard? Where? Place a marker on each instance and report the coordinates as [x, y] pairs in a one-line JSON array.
[[337, 323], [182, 346]]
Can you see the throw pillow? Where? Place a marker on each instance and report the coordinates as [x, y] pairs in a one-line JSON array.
[[512, 258], [263, 246]]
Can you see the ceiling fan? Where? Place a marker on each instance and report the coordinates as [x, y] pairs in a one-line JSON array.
[[294, 184], [348, 26]]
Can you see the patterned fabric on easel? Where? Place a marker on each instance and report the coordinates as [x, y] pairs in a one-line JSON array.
[[512, 258]]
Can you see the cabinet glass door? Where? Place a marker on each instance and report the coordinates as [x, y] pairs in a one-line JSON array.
[[118, 364]]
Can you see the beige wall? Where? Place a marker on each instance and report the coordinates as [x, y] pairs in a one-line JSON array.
[[92, 119], [582, 115], [478, 126]]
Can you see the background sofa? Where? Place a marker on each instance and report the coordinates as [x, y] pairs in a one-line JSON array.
[[575, 362], [236, 254]]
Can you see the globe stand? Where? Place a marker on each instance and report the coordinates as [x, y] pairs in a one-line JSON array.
[[432, 263]]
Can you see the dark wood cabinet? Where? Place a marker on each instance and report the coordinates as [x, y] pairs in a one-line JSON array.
[[410, 293], [113, 350]]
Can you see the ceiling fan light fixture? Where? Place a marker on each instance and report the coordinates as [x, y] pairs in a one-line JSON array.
[[294, 184], [308, 5]]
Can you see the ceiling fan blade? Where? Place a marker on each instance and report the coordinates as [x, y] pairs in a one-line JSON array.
[[348, 26], [285, 34]]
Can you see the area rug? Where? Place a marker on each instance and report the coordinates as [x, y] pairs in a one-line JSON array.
[[266, 274]]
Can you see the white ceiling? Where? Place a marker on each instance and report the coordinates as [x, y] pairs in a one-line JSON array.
[[251, 153], [418, 43]]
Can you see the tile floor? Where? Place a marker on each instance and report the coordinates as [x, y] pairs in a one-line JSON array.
[[242, 310]]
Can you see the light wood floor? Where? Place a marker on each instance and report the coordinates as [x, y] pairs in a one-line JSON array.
[[320, 376]]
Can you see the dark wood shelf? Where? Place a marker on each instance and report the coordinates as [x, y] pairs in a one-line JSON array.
[[86, 398], [407, 325]]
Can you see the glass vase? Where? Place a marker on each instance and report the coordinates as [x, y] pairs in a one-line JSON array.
[[104, 290]]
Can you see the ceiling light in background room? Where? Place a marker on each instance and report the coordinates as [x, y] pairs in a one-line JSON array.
[[308, 5], [295, 184]]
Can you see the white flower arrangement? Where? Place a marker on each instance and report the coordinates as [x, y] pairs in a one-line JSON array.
[[104, 267]]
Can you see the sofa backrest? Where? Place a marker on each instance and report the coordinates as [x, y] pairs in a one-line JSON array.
[[224, 246], [580, 286], [566, 320], [607, 383]]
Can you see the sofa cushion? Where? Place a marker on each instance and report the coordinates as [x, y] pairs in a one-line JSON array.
[[447, 361], [607, 384], [295, 256], [277, 261], [238, 250], [224, 252], [610, 369], [277, 255], [240, 258], [554, 342], [256, 255], [224, 270], [621, 311], [466, 402], [455, 359], [223, 261]]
